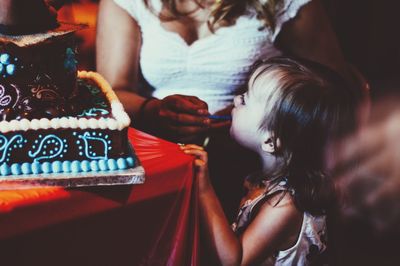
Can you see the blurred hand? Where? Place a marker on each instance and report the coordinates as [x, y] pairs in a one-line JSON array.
[[367, 166], [200, 164], [179, 118]]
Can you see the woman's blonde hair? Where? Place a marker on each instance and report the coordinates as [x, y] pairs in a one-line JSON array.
[[224, 12]]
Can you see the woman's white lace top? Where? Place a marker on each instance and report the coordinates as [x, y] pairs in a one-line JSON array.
[[212, 68]]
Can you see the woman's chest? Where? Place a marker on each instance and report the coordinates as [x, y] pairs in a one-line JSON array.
[[192, 27], [179, 43]]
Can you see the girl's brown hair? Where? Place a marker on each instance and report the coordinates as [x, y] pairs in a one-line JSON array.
[[313, 106], [225, 12]]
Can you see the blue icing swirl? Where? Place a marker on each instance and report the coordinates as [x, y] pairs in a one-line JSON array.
[[6, 146], [94, 112], [50, 146], [90, 140]]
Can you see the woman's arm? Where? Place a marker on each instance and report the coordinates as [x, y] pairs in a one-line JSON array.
[[117, 53], [177, 117], [310, 35]]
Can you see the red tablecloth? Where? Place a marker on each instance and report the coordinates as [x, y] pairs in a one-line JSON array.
[[151, 224]]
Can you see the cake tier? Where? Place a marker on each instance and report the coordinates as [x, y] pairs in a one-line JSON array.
[[39, 75], [69, 150], [91, 136]]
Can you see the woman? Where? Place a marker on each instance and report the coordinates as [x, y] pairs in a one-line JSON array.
[[196, 54], [300, 28]]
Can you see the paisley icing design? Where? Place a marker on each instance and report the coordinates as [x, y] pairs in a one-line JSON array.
[[43, 93], [94, 146], [9, 97], [43, 88], [48, 147], [94, 112], [6, 146], [4, 99]]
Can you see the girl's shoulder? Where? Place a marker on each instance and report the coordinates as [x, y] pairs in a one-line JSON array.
[[278, 200], [276, 222], [277, 194]]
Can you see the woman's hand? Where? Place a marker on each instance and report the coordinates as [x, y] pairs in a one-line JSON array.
[[200, 164], [178, 117]]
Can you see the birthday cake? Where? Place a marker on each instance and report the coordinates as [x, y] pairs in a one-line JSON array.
[[53, 118]]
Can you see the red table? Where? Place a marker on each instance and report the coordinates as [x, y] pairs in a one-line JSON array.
[[151, 224]]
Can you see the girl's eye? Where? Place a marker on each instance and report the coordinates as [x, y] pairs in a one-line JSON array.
[[242, 101]]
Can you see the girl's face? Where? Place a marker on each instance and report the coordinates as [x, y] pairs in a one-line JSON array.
[[249, 110]]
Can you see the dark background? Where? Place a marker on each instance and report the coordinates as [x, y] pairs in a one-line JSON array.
[[368, 31]]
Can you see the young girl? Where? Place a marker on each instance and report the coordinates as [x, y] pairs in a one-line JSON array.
[[287, 116]]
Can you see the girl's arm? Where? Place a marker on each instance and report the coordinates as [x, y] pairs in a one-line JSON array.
[[270, 230], [310, 35]]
